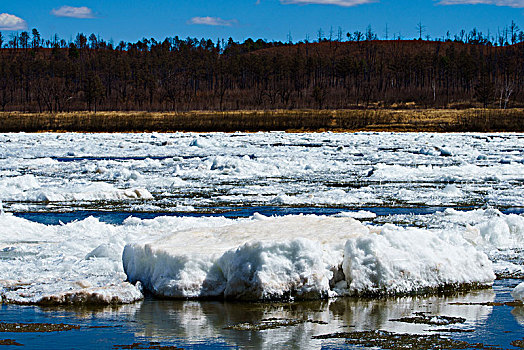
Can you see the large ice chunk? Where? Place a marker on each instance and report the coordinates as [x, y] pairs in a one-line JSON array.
[[398, 261], [262, 259], [518, 292], [303, 257]]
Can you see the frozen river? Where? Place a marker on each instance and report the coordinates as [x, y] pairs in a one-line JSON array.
[[263, 216], [177, 172]]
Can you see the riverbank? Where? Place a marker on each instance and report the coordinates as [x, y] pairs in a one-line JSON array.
[[421, 120]]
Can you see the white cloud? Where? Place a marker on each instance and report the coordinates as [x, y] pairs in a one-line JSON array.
[[510, 3], [11, 22], [345, 3], [212, 21], [73, 12]]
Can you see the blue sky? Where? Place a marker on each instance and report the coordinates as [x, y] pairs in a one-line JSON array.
[[131, 20]]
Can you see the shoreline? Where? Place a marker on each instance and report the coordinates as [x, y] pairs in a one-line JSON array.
[[376, 120]]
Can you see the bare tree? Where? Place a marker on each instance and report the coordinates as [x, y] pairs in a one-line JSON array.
[[320, 35], [339, 34], [484, 90], [421, 29], [369, 34], [506, 90], [514, 30], [319, 95]]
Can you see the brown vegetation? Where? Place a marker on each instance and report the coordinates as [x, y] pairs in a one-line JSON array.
[[10, 342], [436, 120], [184, 75], [35, 327]]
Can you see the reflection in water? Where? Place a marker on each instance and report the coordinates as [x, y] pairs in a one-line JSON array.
[[518, 313], [215, 324], [205, 322]]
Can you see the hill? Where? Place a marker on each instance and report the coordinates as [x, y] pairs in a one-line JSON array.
[[184, 75]]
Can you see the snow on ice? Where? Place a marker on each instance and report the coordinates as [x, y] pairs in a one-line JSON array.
[[304, 257]]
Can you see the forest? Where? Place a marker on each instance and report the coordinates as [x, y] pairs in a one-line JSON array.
[[337, 71]]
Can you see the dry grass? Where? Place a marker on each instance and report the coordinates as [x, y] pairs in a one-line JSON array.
[[435, 120]]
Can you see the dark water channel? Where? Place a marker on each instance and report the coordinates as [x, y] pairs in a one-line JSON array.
[[117, 217]]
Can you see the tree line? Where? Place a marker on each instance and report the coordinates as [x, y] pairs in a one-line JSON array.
[[342, 71]]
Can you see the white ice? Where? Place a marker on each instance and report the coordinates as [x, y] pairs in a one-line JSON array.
[[79, 262], [260, 257], [201, 170], [26, 188], [304, 257], [499, 235], [518, 292]]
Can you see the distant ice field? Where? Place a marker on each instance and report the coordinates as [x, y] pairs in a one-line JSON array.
[[185, 172], [357, 214]]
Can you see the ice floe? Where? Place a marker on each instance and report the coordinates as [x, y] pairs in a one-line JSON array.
[[304, 257], [78, 262], [295, 256], [47, 264], [518, 292], [499, 235], [27, 188], [399, 261]]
